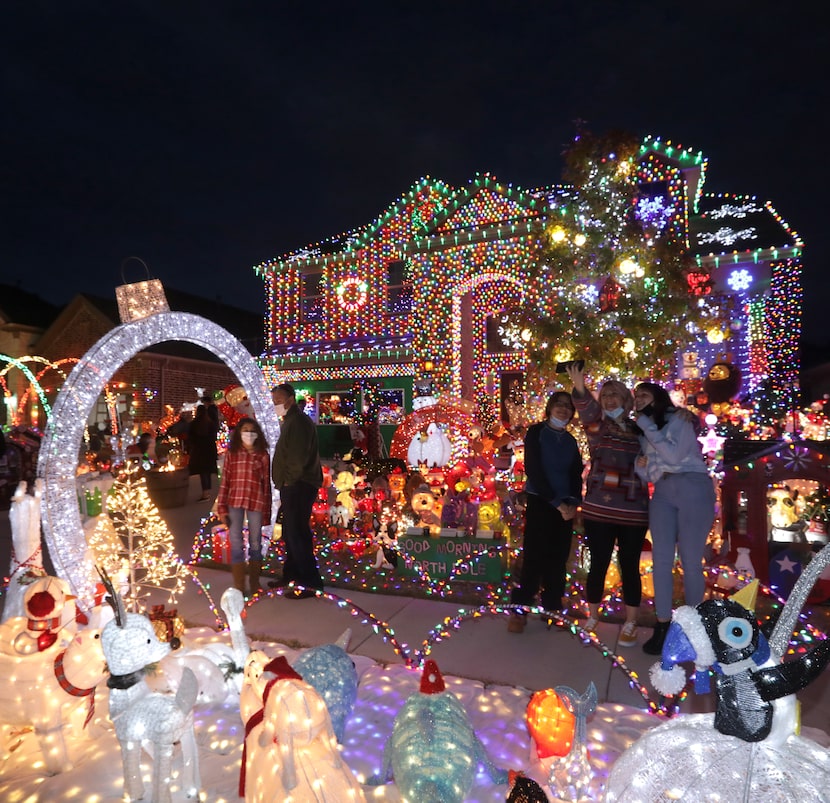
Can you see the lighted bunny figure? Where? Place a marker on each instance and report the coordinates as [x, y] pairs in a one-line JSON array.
[[293, 753], [41, 689], [139, 714], [27, 558]]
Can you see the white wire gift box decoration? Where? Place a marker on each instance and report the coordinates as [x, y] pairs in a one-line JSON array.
[[138, 300]]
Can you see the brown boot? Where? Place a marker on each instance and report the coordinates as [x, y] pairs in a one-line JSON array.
[[254, 571], [238, 572]]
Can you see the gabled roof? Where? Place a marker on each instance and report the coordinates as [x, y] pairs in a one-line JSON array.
[[728, 224], [22, 308]]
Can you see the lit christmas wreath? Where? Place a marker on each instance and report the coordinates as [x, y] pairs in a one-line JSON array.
[[352, 293]]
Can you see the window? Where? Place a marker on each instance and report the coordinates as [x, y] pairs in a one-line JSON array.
[[335, 407], [398, 288], [502, 334], [312, 297], [391, 406]]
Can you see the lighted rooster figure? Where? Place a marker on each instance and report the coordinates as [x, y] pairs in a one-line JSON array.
[[751, 749]]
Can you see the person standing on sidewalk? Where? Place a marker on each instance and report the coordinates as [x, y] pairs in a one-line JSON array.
[[297, 475], [203, 455], [615, 508], [682, 507], [245, 492], [553, 467]]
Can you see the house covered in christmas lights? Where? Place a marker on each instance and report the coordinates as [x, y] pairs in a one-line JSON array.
[[429, 287]]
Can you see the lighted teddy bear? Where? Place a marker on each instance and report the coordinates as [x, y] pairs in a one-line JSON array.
[[489, 518], [344, 484], [423, 508]]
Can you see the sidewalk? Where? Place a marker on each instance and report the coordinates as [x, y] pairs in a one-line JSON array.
[[479, 649]]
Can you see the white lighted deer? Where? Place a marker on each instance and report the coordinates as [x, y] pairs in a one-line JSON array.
[[141, 715]]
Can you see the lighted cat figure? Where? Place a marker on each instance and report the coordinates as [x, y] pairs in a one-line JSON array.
[[433, 753]]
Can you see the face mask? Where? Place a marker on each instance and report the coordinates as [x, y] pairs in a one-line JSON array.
[[249, 438], [558, 422], [615, 413], [647, 410], [279, 409]]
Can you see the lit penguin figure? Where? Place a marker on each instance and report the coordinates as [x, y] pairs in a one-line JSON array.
[[750, 748], [433, 752], [330, 670]]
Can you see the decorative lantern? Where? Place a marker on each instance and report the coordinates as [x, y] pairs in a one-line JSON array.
[[140, 299], [550, 723], [609, 295]]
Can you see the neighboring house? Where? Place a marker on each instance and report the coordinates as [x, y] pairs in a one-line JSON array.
[[426, 287], [24, 317], [163, 375]]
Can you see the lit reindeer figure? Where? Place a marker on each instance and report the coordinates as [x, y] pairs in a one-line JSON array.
[[130, 644]]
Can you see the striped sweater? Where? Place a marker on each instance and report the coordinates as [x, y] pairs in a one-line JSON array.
[[613, 491]]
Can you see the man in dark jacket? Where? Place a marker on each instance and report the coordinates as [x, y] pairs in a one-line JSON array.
[[297, 476]]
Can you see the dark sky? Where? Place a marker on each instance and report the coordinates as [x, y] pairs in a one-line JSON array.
[[207, 137]]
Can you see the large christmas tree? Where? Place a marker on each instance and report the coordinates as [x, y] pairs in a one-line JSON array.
[[616, 283]]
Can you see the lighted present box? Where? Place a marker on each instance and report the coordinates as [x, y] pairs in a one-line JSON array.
[[221, 544], [167, 624]]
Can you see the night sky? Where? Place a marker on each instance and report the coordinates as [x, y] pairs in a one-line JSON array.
[[207, 137]]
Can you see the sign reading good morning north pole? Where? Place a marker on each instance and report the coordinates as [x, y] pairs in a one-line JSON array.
[[438, 556]]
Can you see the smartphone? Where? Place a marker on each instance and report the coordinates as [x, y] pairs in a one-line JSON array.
[[562, 367]]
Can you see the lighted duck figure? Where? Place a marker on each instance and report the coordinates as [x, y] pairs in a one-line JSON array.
[[751, 748]]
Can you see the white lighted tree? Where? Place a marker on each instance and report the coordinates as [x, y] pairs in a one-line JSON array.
[[132, 542]]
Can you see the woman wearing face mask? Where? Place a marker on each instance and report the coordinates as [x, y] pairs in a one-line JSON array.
[[682, 507], [245, 492], [553, 467], [615, 509]]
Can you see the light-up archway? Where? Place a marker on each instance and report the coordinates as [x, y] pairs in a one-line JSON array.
[[59, 450]]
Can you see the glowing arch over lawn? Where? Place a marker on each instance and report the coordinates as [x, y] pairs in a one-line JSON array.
[[59, 451]]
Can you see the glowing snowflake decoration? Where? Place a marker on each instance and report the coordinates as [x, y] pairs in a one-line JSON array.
[[739, 280], [726, 235], [654, 212], [731, 210], [798, 460]]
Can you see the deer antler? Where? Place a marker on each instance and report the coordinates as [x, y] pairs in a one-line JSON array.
[[113, 597]]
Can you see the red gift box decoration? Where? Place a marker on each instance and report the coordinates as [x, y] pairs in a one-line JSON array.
[[167, 624], [221, 545]]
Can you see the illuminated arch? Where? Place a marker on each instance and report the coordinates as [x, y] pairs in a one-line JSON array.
[[58, 460], [15, 363]]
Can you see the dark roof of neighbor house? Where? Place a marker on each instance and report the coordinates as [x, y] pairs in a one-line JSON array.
[[18, 306], [245, 325]]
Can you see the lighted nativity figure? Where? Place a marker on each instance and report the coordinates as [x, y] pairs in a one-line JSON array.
[[750, 749]]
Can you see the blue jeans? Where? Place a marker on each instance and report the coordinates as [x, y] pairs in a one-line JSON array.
[[680, 517], [236, 516]]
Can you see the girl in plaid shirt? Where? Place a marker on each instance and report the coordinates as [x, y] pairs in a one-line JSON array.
[[245, 491]]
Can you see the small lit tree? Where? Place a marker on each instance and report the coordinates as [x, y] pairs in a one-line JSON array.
[[133, 544]]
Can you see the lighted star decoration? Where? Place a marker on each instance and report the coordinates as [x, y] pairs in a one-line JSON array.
[[711, 442]]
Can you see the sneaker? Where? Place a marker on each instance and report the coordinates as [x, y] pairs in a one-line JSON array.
[[590, 624], [628, 635], [516, 623]]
